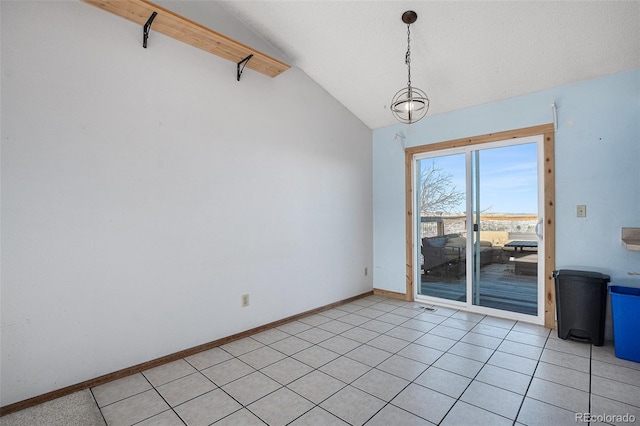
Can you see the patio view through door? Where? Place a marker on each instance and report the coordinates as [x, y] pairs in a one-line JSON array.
[[478, 227]]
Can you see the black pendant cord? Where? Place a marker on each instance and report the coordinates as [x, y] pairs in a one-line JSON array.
[[407, 58]]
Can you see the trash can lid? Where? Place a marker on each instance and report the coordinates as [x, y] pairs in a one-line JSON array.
[[626, 291], [570, 273]]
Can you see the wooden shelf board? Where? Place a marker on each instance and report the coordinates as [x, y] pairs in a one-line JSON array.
[[632, 244], [631, 238], [187, 31]]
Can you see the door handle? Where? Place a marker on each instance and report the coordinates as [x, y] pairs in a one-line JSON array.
[[539, 226]]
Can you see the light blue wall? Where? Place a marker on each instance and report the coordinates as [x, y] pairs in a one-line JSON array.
[[597, 156]]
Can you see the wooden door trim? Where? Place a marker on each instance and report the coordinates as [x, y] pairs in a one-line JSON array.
[[547, 131]]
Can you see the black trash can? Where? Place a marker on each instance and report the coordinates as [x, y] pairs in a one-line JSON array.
[[581, 304]]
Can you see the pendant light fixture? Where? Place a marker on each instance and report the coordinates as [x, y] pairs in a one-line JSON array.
[[410, 104]]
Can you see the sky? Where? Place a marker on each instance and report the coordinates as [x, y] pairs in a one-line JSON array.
[[508, 177]]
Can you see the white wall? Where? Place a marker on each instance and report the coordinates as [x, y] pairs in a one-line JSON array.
[[597, 152], [144, 190]]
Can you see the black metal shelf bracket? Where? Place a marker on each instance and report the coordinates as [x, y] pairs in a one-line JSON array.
[[147, 27], [244, 61]]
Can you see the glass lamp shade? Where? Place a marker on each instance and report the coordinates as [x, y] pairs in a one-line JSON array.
[[409, 105]]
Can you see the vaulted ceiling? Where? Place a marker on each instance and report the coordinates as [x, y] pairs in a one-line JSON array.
[[463, 53]]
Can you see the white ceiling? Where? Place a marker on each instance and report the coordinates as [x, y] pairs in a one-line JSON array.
[[463, 53]]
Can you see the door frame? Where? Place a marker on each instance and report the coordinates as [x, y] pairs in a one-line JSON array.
[[547, 131]]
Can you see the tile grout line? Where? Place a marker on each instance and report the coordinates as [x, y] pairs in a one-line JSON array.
[[163, 398], [291, 356], [371, 368], [246, 407], [533, 373], [447, 352], [198, 371], [476, 375], [360, 344], [590, 379], [484, 363], [432, 365], [96, 401], [386, 403]]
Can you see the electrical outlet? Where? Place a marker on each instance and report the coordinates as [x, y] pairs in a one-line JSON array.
[[366, 271], [244, 300], [581, 210]]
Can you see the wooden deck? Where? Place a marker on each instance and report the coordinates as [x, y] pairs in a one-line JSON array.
[[500, 288]]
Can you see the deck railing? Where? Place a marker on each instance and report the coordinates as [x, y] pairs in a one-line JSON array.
[[497, 228]]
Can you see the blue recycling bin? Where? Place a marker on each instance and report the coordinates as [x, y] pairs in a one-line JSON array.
[[625, 307]]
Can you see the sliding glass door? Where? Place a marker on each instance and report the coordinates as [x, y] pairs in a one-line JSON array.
[[442, 203], [476, 232]]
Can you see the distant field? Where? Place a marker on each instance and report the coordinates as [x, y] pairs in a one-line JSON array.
[[521, 223]]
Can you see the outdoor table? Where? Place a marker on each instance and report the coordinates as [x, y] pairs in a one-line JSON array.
[[522, 245]]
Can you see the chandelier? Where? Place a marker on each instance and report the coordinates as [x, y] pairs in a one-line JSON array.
[[409, 104]]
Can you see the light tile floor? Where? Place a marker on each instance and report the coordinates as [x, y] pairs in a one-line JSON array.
[[380, 361]]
